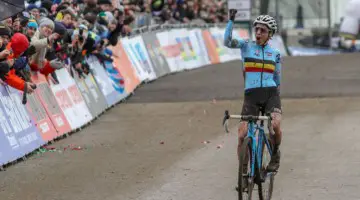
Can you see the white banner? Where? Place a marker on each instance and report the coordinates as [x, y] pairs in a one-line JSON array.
[[137, 47], [70, 100], [189, 58], [225, 54], [199, 46], [135, 63], [171, 50]]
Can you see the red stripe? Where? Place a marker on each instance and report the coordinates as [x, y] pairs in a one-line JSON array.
[[255, 69], [268, 70]]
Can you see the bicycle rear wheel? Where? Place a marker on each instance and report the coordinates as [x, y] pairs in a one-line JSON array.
[[266, 184], [245, 182]]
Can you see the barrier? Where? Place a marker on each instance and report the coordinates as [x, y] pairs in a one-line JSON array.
[[58, 108]]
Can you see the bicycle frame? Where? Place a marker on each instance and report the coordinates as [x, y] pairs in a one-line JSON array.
[[256, 147]]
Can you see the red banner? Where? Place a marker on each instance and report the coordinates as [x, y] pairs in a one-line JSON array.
[[48, 100]]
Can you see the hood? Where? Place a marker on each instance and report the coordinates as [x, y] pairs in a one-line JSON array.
[[19, 44]]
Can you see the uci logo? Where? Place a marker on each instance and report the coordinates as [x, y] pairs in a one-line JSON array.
[[257, 53]]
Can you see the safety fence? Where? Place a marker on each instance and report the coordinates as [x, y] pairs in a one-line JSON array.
[[56, 109]]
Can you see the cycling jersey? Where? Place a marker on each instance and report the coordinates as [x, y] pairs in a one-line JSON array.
[[261, 64]]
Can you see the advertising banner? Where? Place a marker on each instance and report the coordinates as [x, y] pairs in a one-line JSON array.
[[141, 74], [103, 80], [188, 57], [157, 54], [93, 97], [199, 46], [18, 134], [38, 115], [142, 60], [171, 49], [49, 102], [70, 100], [117, 80], [211, 47], [122, 62], [225, 53]]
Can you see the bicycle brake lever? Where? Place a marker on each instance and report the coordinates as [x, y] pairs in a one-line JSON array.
[[226, 121]]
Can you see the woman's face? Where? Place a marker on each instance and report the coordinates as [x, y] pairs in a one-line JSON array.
[[35, 13], [262, 34], [46, 31], [16, 25], [67, 20], [4, 39], [30, 31], [112, 26]]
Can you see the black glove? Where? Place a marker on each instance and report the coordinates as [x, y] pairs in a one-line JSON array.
[[232, 13]]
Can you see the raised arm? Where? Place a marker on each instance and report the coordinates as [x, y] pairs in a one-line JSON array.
[[229, 41]]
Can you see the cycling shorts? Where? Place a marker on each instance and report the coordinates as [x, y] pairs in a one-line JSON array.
[[267, 98]]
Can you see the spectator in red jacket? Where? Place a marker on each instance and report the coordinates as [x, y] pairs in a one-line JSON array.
[[17, 46]]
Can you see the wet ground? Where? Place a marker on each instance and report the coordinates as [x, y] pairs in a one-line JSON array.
[[151, 147]]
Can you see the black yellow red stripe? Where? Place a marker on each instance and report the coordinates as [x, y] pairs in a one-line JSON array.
[[256, 65]]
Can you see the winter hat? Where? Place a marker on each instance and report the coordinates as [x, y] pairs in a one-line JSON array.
[[32, 24], [59, 28], [109, 16], [103, 19], [46, 22], [19, 43]]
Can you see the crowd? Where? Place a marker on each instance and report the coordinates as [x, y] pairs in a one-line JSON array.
[[49, 33]]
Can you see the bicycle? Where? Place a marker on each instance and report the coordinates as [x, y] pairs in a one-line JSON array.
[[253, 147]]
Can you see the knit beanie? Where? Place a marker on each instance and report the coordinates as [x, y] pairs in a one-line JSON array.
[[46, 22], [59, 28], [32, 24]]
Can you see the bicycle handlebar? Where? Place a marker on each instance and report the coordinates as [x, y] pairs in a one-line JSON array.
[[227, 116]]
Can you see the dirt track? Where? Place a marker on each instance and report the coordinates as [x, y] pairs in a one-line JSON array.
[[124, 158]]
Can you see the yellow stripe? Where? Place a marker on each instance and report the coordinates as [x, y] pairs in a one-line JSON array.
[[260, 65]]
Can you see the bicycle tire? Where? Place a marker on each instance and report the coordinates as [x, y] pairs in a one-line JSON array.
[[271, 176], [245, 149]]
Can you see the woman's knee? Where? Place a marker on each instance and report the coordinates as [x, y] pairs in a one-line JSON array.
[[242, 130], [276, 119]]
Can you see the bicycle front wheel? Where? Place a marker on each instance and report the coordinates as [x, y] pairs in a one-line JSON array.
[[245, 182], [266, 184]]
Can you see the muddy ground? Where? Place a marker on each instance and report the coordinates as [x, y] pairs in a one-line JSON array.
[[151, 146]]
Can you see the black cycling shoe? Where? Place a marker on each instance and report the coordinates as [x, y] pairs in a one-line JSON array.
[[245, 185], [274, 162]]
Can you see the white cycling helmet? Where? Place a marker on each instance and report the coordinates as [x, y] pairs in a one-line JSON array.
[[268, 21]]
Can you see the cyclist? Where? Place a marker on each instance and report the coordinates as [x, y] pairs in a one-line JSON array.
[[262, 72], [349, 27]]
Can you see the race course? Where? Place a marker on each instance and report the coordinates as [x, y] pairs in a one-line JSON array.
[[151, 147]]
